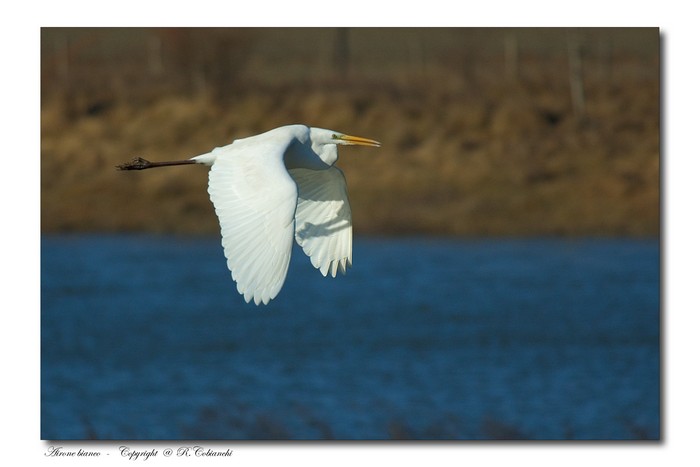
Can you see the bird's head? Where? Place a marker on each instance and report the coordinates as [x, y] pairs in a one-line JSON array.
[[325, 143]]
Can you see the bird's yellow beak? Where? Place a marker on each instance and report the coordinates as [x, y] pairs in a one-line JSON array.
[[347, 139]]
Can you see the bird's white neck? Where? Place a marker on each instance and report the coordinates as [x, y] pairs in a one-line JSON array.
[[307, 156]]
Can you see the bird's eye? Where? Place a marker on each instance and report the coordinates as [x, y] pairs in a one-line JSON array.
[[334, 136]]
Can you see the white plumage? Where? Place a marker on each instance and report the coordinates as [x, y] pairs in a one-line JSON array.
[[268, 190], [323, 219]]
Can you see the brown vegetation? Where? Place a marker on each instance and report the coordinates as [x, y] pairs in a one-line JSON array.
[[484, 132]]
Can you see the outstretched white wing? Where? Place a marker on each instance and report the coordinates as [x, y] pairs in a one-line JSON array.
[[323, 218], [255, 199]]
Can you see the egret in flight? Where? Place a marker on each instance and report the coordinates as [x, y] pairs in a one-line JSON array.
[[271, 188]]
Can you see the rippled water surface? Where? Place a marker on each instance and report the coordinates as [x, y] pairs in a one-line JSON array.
[[145, 337]]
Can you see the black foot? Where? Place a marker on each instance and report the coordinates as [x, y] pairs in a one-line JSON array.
[[137, 163]]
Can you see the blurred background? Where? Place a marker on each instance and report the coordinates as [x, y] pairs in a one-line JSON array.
[[484, 131], [505, 282]]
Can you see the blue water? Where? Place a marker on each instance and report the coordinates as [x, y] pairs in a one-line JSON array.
[[145, 337]]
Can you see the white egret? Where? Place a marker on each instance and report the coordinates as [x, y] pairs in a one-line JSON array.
[[270, 188]]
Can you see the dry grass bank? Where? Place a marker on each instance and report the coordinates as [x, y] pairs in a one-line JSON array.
[[468, 148]]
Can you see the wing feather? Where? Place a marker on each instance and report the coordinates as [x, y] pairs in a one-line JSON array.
[[255, 199], [323, 219]]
